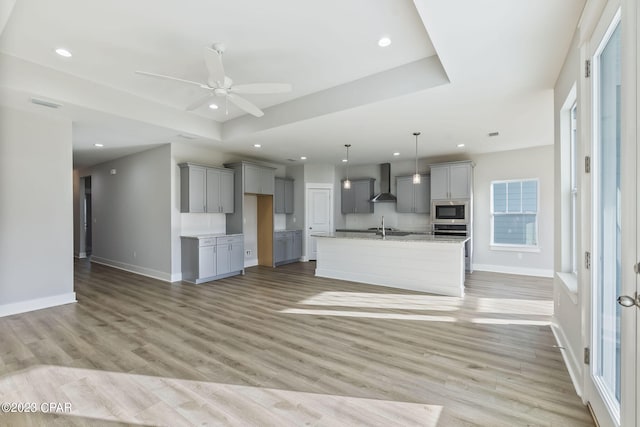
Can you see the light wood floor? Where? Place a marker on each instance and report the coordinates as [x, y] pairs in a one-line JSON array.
[[281, 347]]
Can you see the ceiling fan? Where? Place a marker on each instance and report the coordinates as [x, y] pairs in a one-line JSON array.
[[220, 85]]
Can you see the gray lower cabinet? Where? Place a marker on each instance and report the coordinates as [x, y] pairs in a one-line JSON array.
[[205, 189], [413, 198], [287, 246], [258, 179], [207, 258], [283, 197], [357, 198]]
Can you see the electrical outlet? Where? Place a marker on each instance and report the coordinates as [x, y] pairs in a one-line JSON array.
[[134, 254], [248, 252]]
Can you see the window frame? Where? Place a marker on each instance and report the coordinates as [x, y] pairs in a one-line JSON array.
[[510, 246], [574, 176]]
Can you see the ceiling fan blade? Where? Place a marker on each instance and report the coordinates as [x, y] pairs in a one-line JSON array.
[[199, 102], [160, 76], [262, 88], [245, 105], [213, 59]]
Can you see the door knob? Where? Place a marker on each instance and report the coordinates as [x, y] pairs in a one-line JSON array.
[[627, 301]]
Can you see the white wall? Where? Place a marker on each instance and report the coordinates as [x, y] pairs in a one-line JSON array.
[[132, 214], [36, 212], [567, 317], [517, 164]]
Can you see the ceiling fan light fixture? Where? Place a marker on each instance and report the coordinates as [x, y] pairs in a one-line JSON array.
[[416, 176], [347, 182]]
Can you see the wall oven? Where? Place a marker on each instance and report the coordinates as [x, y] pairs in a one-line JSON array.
[[450, 212]]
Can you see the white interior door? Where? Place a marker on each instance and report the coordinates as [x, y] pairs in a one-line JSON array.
[[319, 218], [610, 383]]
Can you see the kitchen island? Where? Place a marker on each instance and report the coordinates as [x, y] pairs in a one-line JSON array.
[[419, 262]]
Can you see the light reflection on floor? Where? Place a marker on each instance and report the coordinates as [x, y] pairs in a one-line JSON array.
[[415, 306], [95, 395]]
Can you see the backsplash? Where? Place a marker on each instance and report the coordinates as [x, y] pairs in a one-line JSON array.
[[202, 223], [401, 221]]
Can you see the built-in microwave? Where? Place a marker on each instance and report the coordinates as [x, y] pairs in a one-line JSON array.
[[450, 212]]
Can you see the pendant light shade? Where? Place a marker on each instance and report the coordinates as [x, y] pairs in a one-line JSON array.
[[416, 176], [347, 183]]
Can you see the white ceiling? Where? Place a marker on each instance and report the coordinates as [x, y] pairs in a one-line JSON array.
[[496, 64]]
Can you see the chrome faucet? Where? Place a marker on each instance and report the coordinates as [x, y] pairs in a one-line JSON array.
[[384, 235]]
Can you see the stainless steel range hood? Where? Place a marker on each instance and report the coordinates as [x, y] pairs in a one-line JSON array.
[[385, 185]]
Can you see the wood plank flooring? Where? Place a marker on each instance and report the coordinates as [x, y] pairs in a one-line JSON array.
[[282, 347]]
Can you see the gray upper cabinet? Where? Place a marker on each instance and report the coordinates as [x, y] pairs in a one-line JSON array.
[[356, 199], [413, 198], [258, 179], [219, 191], [283, 198], [193, 184], [451, 181], [205, 189]]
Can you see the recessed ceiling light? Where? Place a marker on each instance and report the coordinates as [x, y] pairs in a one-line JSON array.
[[460, 145], [98, 145], [213, 106], [257, 145], [63, 52], [396, 154], [344, 160], [384, 42], [303, 157]]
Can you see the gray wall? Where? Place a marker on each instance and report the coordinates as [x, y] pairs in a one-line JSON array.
[[295, 221], [517, 164], [132, 213], [36, 211]]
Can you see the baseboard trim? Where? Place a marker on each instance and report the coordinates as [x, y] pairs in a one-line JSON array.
[[569, 357], [37, 304], [143, 271], [521, 271], [176, 277]]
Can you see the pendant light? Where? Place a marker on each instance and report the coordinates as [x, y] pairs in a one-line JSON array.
[[347, 183], [416, 176]]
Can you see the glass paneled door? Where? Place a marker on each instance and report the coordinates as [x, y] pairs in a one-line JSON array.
[[613, 334], [606, 279]]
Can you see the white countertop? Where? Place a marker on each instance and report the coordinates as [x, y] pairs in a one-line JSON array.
[[207, 236], [407, 238]]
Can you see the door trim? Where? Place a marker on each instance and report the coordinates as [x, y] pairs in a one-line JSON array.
[[630, 207]]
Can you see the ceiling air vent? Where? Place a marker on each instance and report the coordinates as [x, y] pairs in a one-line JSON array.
[[45, 103]]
